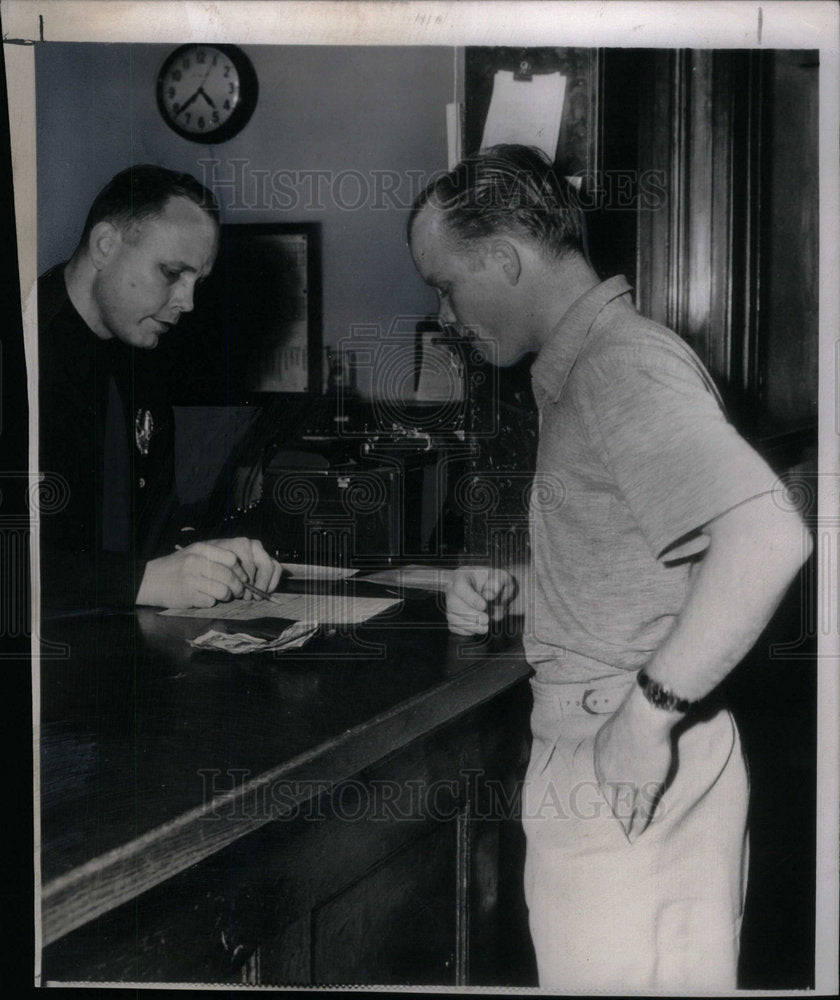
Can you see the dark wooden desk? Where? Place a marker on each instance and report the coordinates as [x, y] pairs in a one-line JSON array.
[[342, 813]]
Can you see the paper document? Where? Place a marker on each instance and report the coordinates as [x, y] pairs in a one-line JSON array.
[[421, 577], [454, 134], [317, 609], [526, 111], [302, 571]]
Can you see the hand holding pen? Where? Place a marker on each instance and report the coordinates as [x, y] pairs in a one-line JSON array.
[[204, 573]]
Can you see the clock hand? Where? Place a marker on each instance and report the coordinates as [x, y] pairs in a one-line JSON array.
[[199, 91], [206, 98], [184, 106]]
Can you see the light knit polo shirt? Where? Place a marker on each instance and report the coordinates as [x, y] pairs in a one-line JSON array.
[[635, 457]]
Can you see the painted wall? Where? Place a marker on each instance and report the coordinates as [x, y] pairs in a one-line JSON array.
[[342, 136]]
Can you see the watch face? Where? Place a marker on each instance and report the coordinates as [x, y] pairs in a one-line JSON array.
[[207, 93]]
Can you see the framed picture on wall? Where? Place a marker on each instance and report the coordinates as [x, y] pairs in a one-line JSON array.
[[263, 301]]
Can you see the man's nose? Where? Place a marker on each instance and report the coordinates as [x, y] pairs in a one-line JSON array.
[[447, 316], [182, 296]]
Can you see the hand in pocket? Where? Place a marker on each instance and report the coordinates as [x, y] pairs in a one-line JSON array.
[[634, 761]]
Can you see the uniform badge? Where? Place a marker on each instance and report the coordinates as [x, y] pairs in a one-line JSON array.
[[144, 427]]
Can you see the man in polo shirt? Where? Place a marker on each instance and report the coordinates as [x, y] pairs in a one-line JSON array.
[[660, 549]]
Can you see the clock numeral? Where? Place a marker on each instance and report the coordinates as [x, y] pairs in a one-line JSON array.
[[191, 94]]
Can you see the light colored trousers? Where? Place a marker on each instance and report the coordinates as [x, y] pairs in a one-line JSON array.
[[661, 913]]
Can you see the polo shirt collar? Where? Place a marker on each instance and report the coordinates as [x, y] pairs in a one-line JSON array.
[[558, 354]]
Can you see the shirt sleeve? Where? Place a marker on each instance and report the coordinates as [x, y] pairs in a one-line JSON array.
[[675, 459]]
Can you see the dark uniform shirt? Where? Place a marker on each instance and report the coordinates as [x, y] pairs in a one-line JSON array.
[[105, 442]]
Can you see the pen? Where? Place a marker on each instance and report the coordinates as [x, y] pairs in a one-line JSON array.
[[264, 594]]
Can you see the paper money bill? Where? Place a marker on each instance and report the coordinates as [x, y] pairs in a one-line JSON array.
[[240, 642]]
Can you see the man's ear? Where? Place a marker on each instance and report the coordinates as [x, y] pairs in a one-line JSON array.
[[505, 255], [103, 241]]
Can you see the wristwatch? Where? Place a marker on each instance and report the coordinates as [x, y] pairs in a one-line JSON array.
[[661, 697]]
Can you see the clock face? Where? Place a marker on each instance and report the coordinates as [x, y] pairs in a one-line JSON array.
[[207, 93]]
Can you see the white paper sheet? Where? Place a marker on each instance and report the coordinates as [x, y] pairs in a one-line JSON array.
[[526, 111], [454, 134], [415, 575], [323, 609], [304, 571]]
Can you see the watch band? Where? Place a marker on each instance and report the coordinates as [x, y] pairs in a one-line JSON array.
[[661, 697]]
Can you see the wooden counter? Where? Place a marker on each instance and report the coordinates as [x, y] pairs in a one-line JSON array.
[[341, 813]]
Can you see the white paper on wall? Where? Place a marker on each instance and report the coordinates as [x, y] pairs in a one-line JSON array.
[[526, 111], [454, 134]]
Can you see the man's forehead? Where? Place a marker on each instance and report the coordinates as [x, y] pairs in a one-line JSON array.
[[428, 224], [436, 250], [429, 236], [181, 214], [181, 224]]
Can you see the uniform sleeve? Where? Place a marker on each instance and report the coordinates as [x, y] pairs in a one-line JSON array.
[[76, 575], [675, 459]]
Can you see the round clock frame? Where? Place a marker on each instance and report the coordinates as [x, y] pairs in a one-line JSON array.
[[182, 61]]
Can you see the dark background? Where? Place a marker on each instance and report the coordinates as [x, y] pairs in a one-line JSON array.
[[17, 953]]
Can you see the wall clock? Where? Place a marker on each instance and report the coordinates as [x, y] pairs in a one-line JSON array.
[[207, 93]]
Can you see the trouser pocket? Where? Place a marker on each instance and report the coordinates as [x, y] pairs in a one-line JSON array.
[[616, 801]]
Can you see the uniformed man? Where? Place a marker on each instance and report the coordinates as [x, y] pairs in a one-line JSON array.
[[105, 423]]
